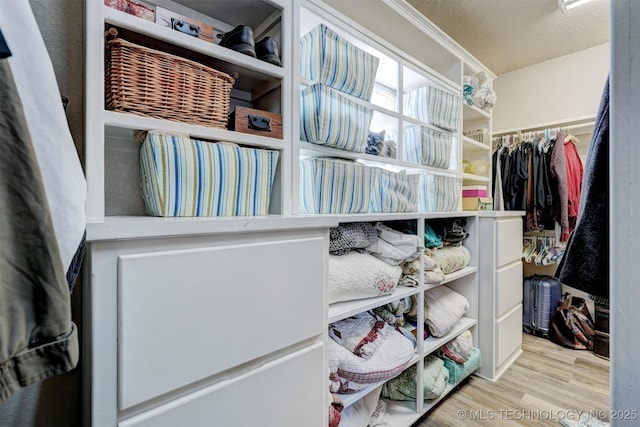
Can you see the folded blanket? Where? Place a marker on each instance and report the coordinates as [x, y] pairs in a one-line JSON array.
[[459, 371], [361, 334], [335, 409], [434, 380], [393, 312], [450, 258], [445, 307], [356, 276], [459, 348], [349, 373], [410, 273], [356, 235], [393, 246]]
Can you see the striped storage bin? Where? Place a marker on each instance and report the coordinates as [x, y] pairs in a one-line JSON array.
[[432, 105], [439, 193], [444, 108], [185, 177], [427, 146], [329, 118], [334, 186], [326, 57], [394, 191]]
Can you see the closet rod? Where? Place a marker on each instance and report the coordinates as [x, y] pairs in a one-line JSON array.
[[570, 124]]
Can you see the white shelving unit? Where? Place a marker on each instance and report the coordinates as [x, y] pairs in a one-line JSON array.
[[154, 282]]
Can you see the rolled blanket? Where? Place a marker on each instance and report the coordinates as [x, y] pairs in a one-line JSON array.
[[459, 348], [450, 258], [445, 308], [434, 380]]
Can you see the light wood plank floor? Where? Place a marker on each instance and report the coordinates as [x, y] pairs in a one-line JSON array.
[[545, 383]]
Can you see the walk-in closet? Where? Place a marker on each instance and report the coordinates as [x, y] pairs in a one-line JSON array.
[[309, 213]]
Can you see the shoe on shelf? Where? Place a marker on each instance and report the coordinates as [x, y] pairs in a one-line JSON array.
[[239, 39], [267, 50]]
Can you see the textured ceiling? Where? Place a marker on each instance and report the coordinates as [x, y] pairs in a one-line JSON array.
[[506, 35]]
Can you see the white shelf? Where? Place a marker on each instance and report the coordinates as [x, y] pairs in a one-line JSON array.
[[316, 150], [473, 145], [471, 113], [431, 344], [349, 399], [371, 217], [342, 310], [475, 178], [114, 119], [134, 227], [244, 64], [463, 272]]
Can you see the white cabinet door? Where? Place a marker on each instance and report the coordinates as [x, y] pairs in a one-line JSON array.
[[187, 314], [508, 335], [286, 393]]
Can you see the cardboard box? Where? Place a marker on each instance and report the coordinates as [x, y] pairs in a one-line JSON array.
[[184, 24], [477, 203], [256, 122]]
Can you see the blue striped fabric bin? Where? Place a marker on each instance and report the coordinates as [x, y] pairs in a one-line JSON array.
[[439, 193], [433, 105], [334, 186], [394, 191], [427, 146], [185, 177], [329, 118], [444, 108], [326, 57]]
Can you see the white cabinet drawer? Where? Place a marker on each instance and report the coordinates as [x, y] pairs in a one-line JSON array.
[[288, 392], [508, 334], [508, 287], [187, 314], [509, 241]]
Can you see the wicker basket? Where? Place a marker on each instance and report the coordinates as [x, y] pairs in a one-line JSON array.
[[152, 83]]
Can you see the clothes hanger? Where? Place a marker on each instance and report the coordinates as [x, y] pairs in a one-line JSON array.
[[570, 138]]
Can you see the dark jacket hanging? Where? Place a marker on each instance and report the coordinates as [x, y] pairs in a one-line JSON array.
[[585, 265]]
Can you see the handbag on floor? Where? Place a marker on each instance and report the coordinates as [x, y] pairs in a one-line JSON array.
[[571, 324]]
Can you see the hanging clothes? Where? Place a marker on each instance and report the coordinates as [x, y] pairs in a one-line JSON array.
[[574, 182], [42, 222], [585, 265], [559, 174]]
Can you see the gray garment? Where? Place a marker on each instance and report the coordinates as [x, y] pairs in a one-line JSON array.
[[37, 338]]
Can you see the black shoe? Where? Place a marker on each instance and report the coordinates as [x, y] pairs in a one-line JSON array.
[[267, 50], [239, 39]]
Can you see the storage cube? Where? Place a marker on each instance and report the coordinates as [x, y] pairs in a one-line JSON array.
[[427, 146], [326, 57], [394, 191], [334, 186], [329, 118], [433, 105], [185, 177]]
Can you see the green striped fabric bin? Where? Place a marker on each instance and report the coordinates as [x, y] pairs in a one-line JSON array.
[[334, 186], [182, 177], [328, 58], [329, 118]]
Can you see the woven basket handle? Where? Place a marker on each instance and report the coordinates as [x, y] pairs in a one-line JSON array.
[[111, 34]]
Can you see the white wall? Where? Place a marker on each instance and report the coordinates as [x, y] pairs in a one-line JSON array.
[[557, 90]]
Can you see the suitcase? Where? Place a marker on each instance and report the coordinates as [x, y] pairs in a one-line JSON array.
[[541, 295]]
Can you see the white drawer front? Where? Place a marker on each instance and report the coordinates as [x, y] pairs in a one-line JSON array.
[[190, 313], [508, 287], [509, 241], [508, 335], [286, 393]]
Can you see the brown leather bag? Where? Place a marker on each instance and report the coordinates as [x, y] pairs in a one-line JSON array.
[[571, 324]]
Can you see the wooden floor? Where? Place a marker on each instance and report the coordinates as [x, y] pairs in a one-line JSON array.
[[545, 383]]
